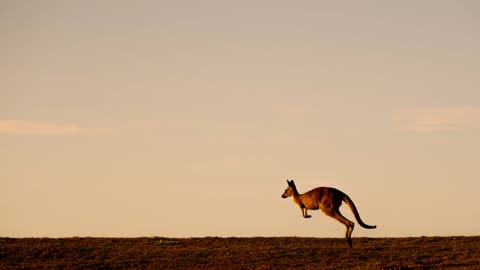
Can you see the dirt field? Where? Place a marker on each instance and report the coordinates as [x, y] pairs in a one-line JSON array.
[[240, 253]]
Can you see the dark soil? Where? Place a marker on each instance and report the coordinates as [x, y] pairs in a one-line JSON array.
[[240, 253]]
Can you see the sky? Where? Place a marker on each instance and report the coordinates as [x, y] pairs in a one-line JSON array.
[[185, 118]]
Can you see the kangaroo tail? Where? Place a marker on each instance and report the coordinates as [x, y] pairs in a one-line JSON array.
[[352, 206]]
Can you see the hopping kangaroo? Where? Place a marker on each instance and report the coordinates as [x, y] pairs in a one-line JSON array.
[[328, 200]]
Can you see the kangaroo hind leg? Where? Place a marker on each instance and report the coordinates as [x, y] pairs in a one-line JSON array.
[[348, 224]]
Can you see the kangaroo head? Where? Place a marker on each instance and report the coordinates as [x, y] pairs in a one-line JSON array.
[[290, 189]]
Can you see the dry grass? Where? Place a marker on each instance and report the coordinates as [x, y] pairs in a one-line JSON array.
[[240, 253]]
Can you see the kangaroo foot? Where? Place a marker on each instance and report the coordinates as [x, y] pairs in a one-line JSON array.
[[349, 240]]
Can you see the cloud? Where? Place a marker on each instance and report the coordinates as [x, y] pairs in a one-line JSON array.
[[17, 127], [441, 119]]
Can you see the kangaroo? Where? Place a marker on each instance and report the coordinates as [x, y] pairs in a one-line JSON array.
[[328, 200]]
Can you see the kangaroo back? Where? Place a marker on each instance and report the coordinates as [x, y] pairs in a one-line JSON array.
[[352, 206]]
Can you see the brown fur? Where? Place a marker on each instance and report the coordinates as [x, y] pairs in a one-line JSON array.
[[328, 200]]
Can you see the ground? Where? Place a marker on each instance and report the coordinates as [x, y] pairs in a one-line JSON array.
[[240, 253]]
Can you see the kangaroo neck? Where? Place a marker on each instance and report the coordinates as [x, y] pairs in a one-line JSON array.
[[296, 196]]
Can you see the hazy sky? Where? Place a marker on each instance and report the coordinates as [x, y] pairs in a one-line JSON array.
[[185, 118]]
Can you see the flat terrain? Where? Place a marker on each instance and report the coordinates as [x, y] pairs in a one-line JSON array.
[[240, 253]]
